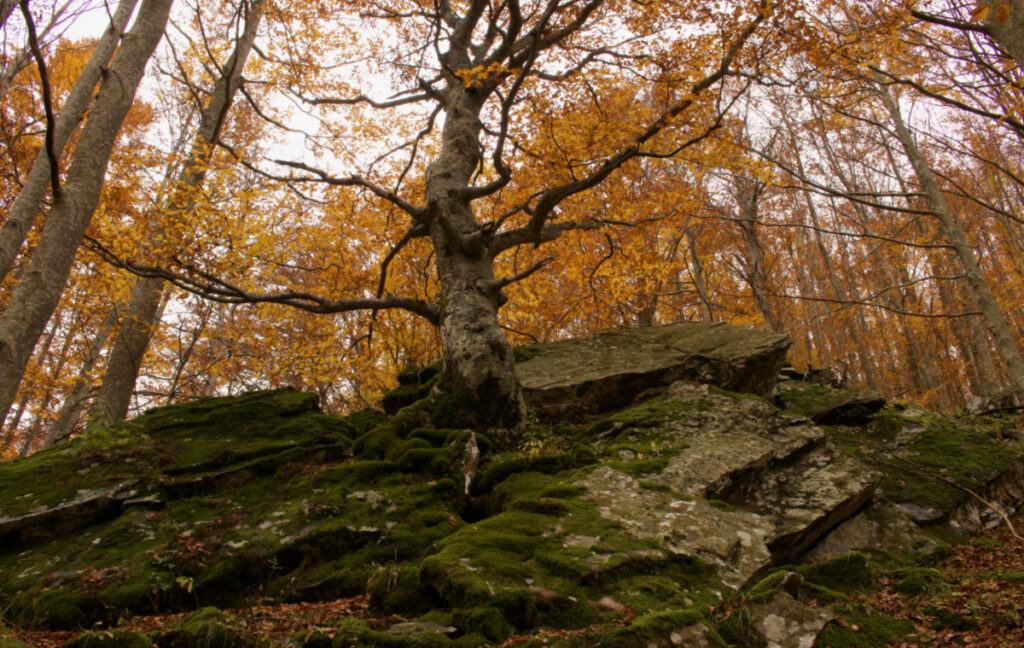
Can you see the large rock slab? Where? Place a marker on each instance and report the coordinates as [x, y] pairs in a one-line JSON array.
[[609, 371], [742, 485]]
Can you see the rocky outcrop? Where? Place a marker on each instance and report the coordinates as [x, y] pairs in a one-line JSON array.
[[613, 370], [688, 516]]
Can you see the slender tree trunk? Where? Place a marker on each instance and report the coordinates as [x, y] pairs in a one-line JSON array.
[[71, 411], [994, 318], [140, 319], [37, 183], [39, 291], [747, 193], [697, 272]]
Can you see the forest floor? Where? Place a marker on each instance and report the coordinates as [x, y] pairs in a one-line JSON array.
[[976, 599]]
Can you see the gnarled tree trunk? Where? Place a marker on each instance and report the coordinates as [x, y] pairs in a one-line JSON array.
[[478, 360]]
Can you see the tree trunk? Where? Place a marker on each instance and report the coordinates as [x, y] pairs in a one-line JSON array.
[[478, 362], [37, 295], [133, 336], [987, 303], [747, 193], [23, 211], [1010, 34], [71, 411], [696, 267]]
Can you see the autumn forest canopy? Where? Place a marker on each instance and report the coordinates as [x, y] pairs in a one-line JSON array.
[[204, 198]]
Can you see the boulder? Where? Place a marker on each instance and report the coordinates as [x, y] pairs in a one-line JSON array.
[[612, 370], [784, 622]]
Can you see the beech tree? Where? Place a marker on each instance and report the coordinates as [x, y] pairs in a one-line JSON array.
[[74, 200], [491, 68]]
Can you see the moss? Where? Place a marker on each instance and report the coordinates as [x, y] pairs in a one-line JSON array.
[[111, 639], [917, 580], [767, 587], [396, 589], [873, 629], [970, 451], [650, 414], [62, 608], [487, 621], [7, 641], [207, 627], [649, 628], [1011, 576], [501, 467], [808, 399], [848, 573], [351, 633]]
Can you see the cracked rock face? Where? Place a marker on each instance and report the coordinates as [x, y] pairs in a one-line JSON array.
[[749, 487]]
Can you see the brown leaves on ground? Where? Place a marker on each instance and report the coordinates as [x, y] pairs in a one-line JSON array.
[[275, 621], [980, 603]]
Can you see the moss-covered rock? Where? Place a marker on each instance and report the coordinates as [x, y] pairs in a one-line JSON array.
[[644, 527], [207, 627], [112, 639]]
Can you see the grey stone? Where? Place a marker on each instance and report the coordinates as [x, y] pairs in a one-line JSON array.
[[609, 371], [784, 622], [879, 527]]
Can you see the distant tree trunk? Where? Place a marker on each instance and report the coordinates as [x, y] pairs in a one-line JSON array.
[[37, 183], [859, 332], [747, 193], [987, 303], [140, 319], [71, 411], [40, 290], [696, 267]]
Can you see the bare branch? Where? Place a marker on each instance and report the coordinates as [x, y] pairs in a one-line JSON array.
[[418, 213], [44, 81], [208, 286]]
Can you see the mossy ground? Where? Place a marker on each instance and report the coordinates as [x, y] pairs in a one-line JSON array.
[[262, 499]]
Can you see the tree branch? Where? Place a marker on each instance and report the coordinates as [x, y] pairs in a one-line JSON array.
[[44, 81], [208, 286]]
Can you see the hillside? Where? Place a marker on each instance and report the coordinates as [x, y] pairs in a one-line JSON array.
[[671, 489]]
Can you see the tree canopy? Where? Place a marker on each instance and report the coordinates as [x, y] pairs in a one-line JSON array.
[[316, 194]]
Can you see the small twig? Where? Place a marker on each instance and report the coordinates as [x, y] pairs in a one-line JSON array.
[[44, 80]]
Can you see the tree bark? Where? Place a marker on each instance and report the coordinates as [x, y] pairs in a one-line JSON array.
[[696, 267], [982, 292], [747, 193], [140, 316], [39, 291], [23, 211], [478, 361], [1010, 34]]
